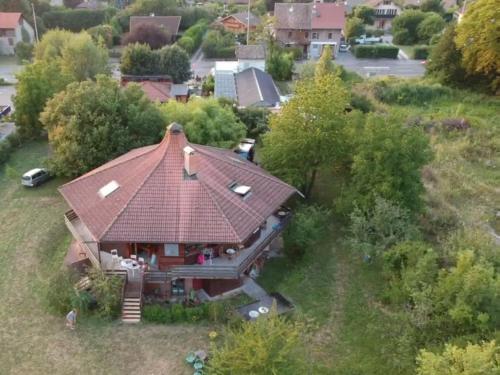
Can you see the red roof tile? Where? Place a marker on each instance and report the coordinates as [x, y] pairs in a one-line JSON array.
[[158, 202], [327, 16], [9, 20]]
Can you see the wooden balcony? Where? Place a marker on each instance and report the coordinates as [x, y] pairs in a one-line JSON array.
[[83, 236]]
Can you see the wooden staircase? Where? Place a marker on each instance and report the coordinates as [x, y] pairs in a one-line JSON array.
[[132, 302]]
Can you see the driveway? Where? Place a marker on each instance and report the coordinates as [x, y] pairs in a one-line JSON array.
[[381, 67], [200, 66], [8, 70]]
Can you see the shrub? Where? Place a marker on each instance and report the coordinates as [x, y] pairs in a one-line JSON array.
[[407, 93], [152, 35], [361, 102], [377, 229], [307, 227], [279, 64], [187, 43], [102, 33], [178, 313], [376, 51], [24, 51], [219, 44], [156, 314], [296, 52], [107, 291], [421, 52], [59, 291], [192, 37], [77, 19]]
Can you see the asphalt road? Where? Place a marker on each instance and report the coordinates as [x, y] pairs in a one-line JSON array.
[[200, 66], [381, 67]]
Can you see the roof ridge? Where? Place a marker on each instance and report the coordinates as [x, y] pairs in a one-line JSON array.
[[257, 82], [265, 174], [101, 169], [209, 192], [146, 177]]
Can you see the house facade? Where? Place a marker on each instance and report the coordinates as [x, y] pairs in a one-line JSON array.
[[14, 29], [310, 26], [239, 22], [193, 217]]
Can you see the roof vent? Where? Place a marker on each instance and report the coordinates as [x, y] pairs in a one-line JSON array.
[[190, 160], [108, 189]]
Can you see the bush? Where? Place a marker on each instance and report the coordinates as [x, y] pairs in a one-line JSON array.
[[219, 44], [187, 43], [421, 52], [307, 227], [107, 291], [60, 292], [296, 52], [361, 102], [192, 37], [24, 51], [154, 36], [78, 19], [156, 314], [376, 51], [7, 146], [407, 93], [102, 33]]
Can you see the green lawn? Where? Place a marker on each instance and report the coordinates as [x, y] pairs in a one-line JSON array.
[[33, 240]]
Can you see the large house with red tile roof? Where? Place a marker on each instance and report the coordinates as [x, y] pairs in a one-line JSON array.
[[14, 29], [310, 25], [193, 217]]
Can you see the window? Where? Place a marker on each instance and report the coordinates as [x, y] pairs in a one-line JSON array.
[[240, 189], [289, 34], [108, 189], [315, 35], [171, 250], [330, 35]]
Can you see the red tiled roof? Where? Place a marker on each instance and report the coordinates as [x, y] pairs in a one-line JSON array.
[[156, 90], [156, 202], [327, 16], [9, 20]]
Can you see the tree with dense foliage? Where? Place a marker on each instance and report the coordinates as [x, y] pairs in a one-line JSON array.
[[308, 133], [102, 34], [474, 359], [270, 345], [477, 39], [325, 64], [365, 13], [432, 24], [404, 26], [219, 44], [432, 6], [206, 121], [153, 35], [140, 59], [387, 164], [61, 57], [279, 64], [308, 226], [91, 123], [354, 27], [175, 62]]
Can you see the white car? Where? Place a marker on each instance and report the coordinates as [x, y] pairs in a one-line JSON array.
[[344, 47]]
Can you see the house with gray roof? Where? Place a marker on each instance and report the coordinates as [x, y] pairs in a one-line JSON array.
[[250, 87], [251, 56]]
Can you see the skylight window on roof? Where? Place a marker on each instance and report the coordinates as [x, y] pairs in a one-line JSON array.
[[108, 189], [239, 189]]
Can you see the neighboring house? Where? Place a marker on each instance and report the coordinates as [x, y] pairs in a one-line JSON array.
[[197, 217], [237, 23], [91, 5], [251, 56], [251, 87], [14, 29], [310, 25], [385, 12], [159, 88], [170, 24]]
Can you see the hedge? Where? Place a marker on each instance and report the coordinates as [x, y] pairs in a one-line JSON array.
[[192, 37], [76, 19], [376, 51], [409, 93], [421, 52], [8, 145], [215, 312]]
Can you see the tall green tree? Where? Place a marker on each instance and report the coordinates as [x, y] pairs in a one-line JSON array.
[[478, 39], [354, 27], [308, 134], [175, 62], [432, 24], [91, 123], [365, 13], [432, 6], [206, 121], [61, 57], [387, 164], [404, 26]]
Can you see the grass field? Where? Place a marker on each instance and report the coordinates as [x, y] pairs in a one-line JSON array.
[[33, 240]]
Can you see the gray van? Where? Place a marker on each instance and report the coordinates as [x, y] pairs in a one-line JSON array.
[[35, 177]]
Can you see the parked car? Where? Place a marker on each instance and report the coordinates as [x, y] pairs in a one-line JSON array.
[[344, 47], [363, 39], [246, 148], [35, 177]]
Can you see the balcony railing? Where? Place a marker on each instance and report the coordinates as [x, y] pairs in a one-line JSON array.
[[82, 235]]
